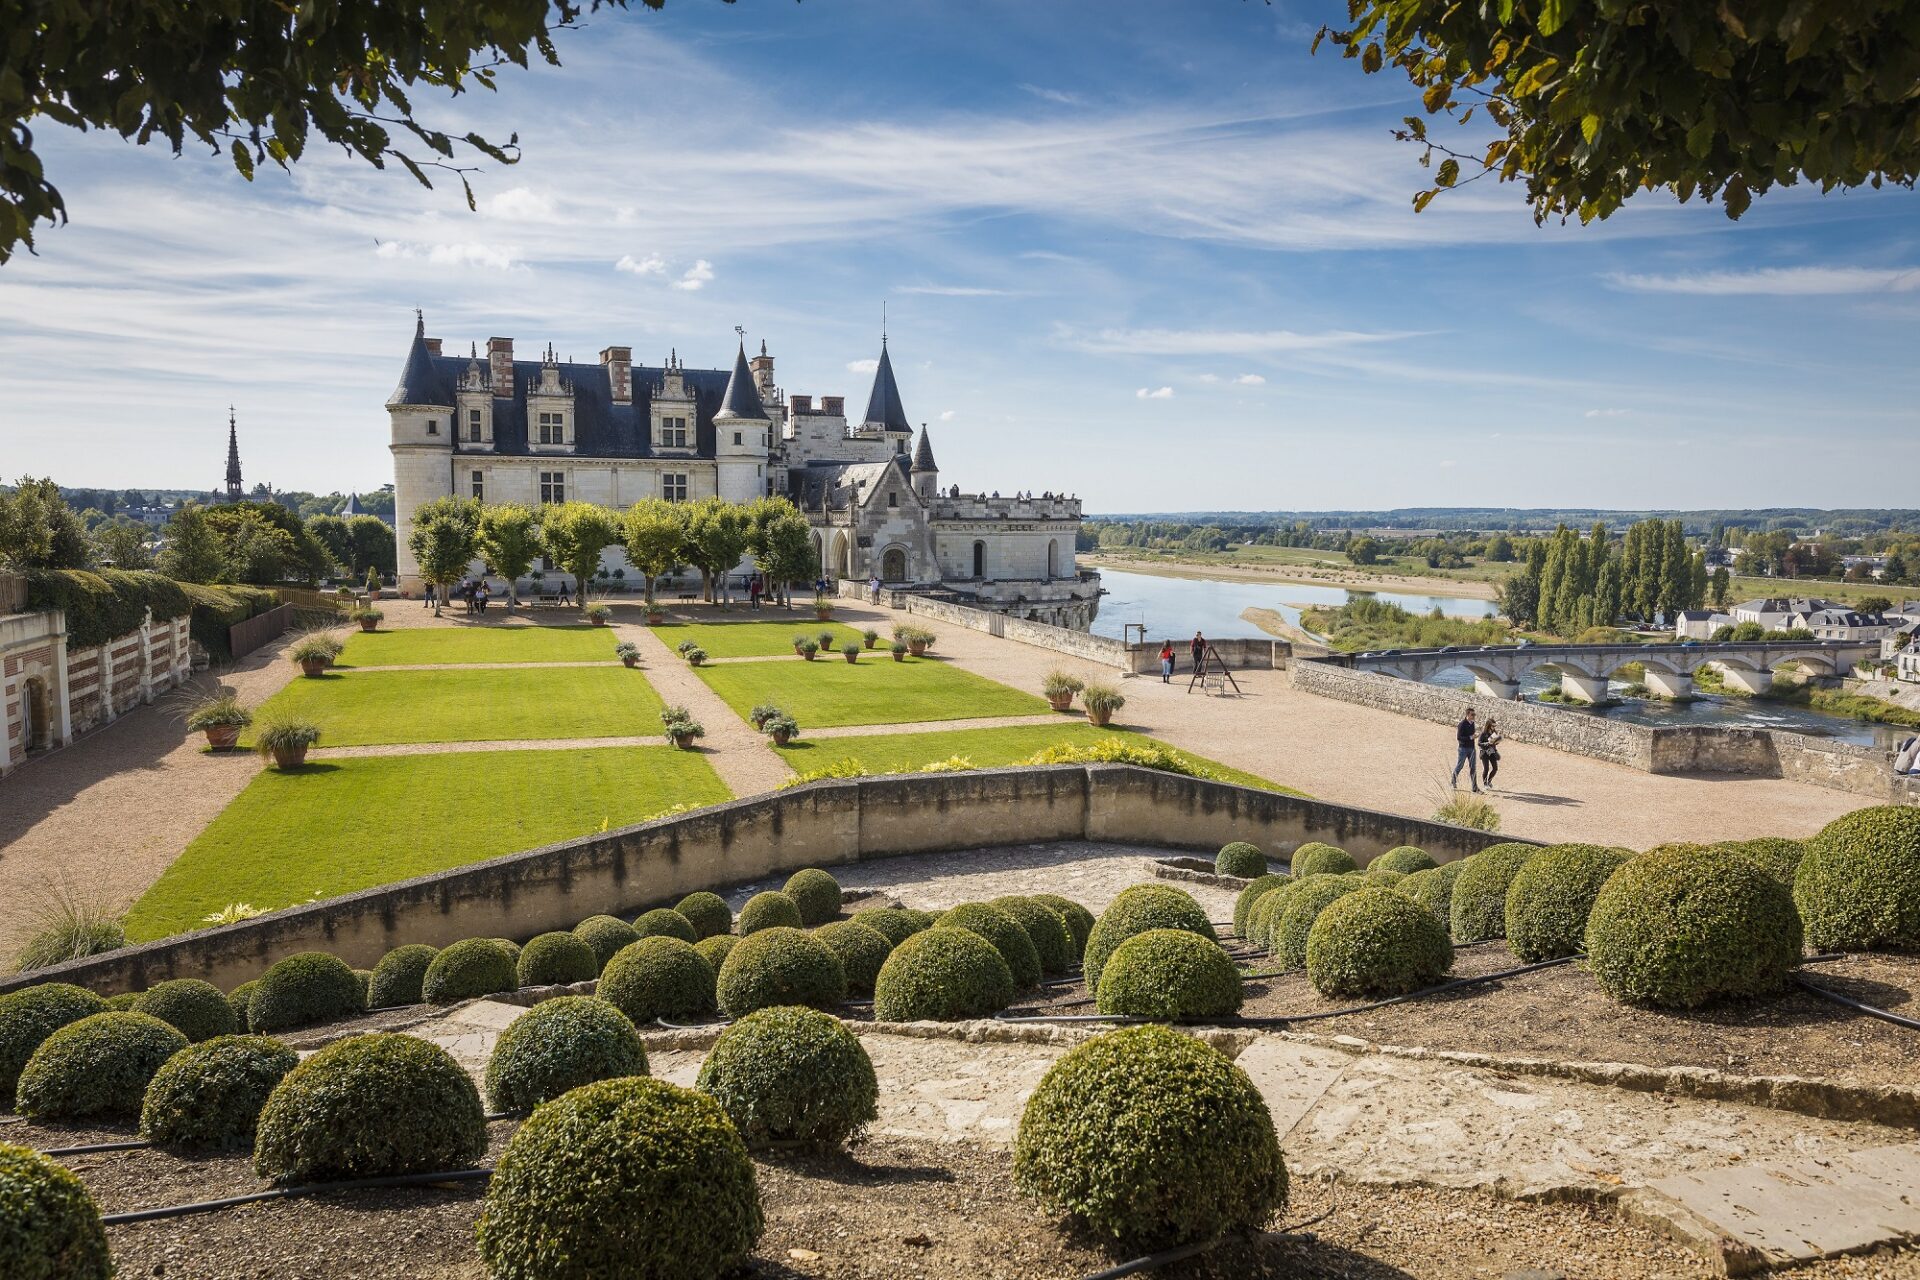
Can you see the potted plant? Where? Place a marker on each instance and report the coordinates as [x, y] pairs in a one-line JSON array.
[[697, 656], [369, 619], [686, 647], [917, 641], [314, 655], [221, 719], [373, 583], [1060, 688], [851, 650], [807, 649], [1101, 701], [798, 641], [655, 615], [680, 727], [782, 729], [822, 608], [344, 592], [286, 741], [899, 650], [628, 653], [599, 615], [759, 716], [871, 637], [828, 640]]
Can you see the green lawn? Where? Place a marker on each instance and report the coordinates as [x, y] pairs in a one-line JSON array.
[[358, 708], [875, 690], [337, 826], [513, 642], [760, 639], [986, 748]]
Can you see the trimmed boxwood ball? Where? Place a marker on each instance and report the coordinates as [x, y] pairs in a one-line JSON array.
[[1479, 904], [28, 1016], [1169, 973], [97, 1067], [770, 910], [816, 893], [861, 951], [1243, 905], [714, 950], [1293, 918], [556, 960], [1679, 846], [942, 975], [366, 985], [192, 1006], [1052, 943], [1004, 932], [400, 975], [1406, 859], [49, 1226], [309, 987], [1433, 889], [1239, 859], [1151, 1139], [606, 935], [1137, 909], [1858, 887], [208, 1096], [780, 966], [367, 1107], [896, 924], [1677, 930], [673, 1192], [1775, 855], [659, 978], [707, 912], [1373, 942], [1551, 897], [1315, 858], [1264, 911], [1078, 919], [124, 1002], [790, 1074], [561, 1044], [664, 922], [470, 968], [237, 1001], [1385, 877]]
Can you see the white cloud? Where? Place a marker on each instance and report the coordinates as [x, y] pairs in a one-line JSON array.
[[1060, 96], [464, 254], [521, 204], [862, 366], [651, 265], [1448, 462], [1163, 393], [1792, 282], [1251, 380], [1609, 413], [1206, 342], [954, 291], [695, 276], [946, 415]]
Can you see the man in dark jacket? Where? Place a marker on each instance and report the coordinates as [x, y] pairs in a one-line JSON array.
[[1198, 650], [1463, 734]]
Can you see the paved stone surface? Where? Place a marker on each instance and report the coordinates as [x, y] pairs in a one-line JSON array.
[[741, 756]]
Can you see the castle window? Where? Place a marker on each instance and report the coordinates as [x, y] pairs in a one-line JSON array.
[[479, 486], [553, 486], [893, 499], [736, 438], [433, 426], [673, 486], [473, 424], [673, 433], [553, 429]]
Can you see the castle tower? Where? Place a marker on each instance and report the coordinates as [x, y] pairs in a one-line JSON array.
[[742, 433], [925, 473], [885, 415], [235, 490], [420, 413]]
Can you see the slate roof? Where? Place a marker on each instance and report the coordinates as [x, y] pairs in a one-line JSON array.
[[883, 403], [741, 398], [423, 381], [822, 484], [923, 453]]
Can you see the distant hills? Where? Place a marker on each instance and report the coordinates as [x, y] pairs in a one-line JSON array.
[[1852, 521]]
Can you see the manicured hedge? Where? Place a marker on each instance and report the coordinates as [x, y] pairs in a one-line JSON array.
[[1858, 887], [606, 935], [556, 960], [780, 966], [561, 1044], [400, 975], [104, 604], [1004, 932], [1078, 919], [1433, 889], [216, 610], [770, 910], [192, 1006], [663, 922], [1480, 893], [1241, 860], [97, 1067], [470, 968], [237, 1000], [1169, 973], [28, 1016], [1292, 919], [1137, 909], [791, 1075], [896, 923], [714, 950], [1406, 859], [1775, 855], [1243, 904], [208, 1096], [944, 975], [49, 1226], [659, 978], [1046, 929], [1373, 942], [305, 988], [708, 912], [1551, 897], [816, 893], [861, 951], [1315, 858]]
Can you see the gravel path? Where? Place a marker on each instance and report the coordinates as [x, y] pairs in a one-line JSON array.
[[736, 751]]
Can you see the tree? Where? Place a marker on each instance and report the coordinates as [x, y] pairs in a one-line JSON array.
[[1722, 583], [574, 534], [654, 533], [38, 530], [370, 545], [330, 532], [442, 540], [1873, 604], [192, 550], [257, 556], [122, 542], [781, 544], [717, 535], [1596, 100], [508, 540], [1500, 548], [1363, 551]]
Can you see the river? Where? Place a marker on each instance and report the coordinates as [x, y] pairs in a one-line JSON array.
[[1172, 608]]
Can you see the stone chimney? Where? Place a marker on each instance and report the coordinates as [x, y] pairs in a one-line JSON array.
[[762, 366], [500, 365], [433, 346], [619, 366], [834, 406], [801, 404]]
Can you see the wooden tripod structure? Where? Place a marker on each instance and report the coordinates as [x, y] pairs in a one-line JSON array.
[[1211, 666]]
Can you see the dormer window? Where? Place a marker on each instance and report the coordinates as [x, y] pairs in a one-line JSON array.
[[893, 499], [553, 428], [673, 433], [473, 424]]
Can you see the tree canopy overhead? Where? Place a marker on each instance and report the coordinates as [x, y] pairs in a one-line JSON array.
[[1594, 100]]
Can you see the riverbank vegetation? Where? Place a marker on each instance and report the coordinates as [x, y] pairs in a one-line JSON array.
[[1801, 693], [1365, 624]]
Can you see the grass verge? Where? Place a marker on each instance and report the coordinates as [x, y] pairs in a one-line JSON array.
[[363, 708], [479, 642], [832, 692], [759, 638]]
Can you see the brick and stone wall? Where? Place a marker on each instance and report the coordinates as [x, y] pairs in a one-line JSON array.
[[75, 690]]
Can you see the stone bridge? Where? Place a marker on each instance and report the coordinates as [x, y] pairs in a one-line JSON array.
[[1584, 668]]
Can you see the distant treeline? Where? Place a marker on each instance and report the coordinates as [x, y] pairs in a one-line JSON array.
[[1697, 523]]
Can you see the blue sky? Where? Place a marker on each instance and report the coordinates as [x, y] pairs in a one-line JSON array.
[[1154, 255]]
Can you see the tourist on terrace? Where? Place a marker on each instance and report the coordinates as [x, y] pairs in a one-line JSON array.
[[1463, 734], [753, 591], [1166, 661], [429, 596], [1198, 649], [1489, 752], [566, 594]]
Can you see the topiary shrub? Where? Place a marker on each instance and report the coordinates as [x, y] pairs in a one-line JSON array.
[[662, 922], [1678, 846], [769, 910], [1858, 887], [309, 987], [1265, 910], [1317, 859], [708, 913], [606, 935], [1775, 855], [28, 1016], [1151, 1139], [672, 1192], [791, 1075], [1679, 929], [556, 960], [1243, 905], [1079, 920], [237, 1000], [124, 1002], [1373, 942], [861, 952], [367, 1107], [714, 950], [1169, 973], [780, 966], [1004, 932], [49, 1226], [1294, 915], [1052, 943], [1433, 889], [1479, 904], [470, 968], [208, 1096], [400, 976], [942, 975], [366, 984], [96, 1067], [1406, 859], [1240, 859], [659, 978], [816, 893], [561, 1044], [1551, 897], [1135, 910], [896, 924], [1384, 877], [193, 1007]]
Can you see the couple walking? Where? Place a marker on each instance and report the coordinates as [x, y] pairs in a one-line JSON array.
[[1470, 737], [1197, 650]]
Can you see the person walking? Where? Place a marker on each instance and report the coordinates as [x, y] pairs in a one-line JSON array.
[[1489, 751], [753, 592], [873, 589], [1463, 734], [566, 594], [1198, 649], [486, 594], [1166, 661], [429, 596]]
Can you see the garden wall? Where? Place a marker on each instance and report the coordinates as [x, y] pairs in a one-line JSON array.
[[828, 823]]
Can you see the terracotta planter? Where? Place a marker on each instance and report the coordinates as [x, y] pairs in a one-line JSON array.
[[872, 642], [917, 648], [368, 624], [853, 657], [698, 662], [684, 741], [289, 757], [899, 657], [1060, 701], [598, 622], [808, 656], [655, 617], [631, 662], [221, 737], [781, 737], [822, 612], [1101, 718], [312, 668]]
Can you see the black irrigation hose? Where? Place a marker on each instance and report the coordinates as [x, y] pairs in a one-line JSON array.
[[1872, 1011], [288, 1193], [97, 1148], [1153, 1261]]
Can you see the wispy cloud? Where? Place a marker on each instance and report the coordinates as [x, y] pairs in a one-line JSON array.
[[1215, 342], [1787, 282], [1162, 393], [946, 415], [1060, 96], [520, 204], [1609, 413], [1251, 380], [695, 276], [651, 265], [463, 254], [862, 366], [955, 291]]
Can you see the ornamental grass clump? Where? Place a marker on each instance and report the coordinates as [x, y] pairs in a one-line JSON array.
[[1775, 855], [556, 960], [1078, 919], [1292, 918], [1433, 889], [1004, 932], [1373, 942], [400, 975], [942, 975], [1243, 905], [1858, 886], [1151, 1139], [302, 989], [658, 978], [1551, 897], [208, 1096], [1052, 942], [673, 1192], [1479, 904], [1239, 859], [708, 913], [1135, 910], [861, 951], [1315, 858], [194, 1007], [1169, 974], [664, 922], [49, 1226], [98, 1067], [791, 1075], [469, 969], [769, 910], [780, 966], [1680, 929], [367, 1107], [816, 893], [558, 1045], [606, 935], [28, 1016], [1406, 859]]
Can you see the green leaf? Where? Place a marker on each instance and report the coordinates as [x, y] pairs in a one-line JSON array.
[[1590, 127], [1370, 59], [1700, 139], [1449, 172], [1554, 15], [242, 160], [1736, 198]]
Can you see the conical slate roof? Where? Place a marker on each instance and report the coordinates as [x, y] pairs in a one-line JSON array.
[[923, 453], [420, 382], [742, 399], [883, 406]]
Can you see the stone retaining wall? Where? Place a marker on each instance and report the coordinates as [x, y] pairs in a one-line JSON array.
[[828, 823]]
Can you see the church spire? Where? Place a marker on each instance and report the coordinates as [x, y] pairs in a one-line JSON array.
[[234, 488], [883, 404]]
